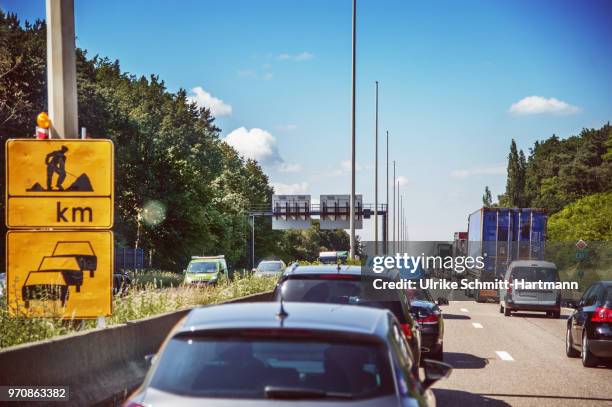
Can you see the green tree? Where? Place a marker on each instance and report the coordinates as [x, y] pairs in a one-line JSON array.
[[487, 200], [589, 218]]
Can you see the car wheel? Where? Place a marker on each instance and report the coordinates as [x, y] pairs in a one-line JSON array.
[[588, 360], [507, 312], [569, 345], [501, 309]]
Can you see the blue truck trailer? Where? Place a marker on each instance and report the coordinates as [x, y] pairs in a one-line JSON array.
[[501, 235]]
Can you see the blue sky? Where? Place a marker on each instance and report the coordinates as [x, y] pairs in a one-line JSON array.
[[449, 72]]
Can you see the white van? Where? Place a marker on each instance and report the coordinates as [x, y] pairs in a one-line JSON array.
[[516, 298]]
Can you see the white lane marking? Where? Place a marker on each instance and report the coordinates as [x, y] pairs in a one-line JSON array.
[[503, 355], [476, 325], [464, 310]]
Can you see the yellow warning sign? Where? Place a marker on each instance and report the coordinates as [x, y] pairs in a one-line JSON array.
[[59, 184], [59, 274]]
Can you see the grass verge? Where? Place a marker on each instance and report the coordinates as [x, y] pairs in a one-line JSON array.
[[141, 301]]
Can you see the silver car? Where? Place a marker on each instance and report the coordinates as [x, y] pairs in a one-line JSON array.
[[275, 354], [519, 297], [270, 268]]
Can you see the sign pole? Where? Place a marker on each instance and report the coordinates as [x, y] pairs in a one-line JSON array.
[[352, 198], [61, 69], [376, 177]]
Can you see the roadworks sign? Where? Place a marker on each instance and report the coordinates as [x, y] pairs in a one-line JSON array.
[[59, 274], [60, 184]]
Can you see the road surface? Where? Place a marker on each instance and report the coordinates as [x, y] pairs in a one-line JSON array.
[[518, 361]]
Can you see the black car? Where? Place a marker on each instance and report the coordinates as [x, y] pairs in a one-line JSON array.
[[338, 284], [431, 323], [264, 354], [589, 328]]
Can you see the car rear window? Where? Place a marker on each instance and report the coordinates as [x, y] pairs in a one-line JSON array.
[[270, 266], [246, 367], [341, 291], [535, 274]]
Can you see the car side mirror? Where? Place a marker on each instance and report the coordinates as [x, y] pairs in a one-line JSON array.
[[185, 271], [571, 304], [150, 359], [442, 301], [253, 270], [435, 371]]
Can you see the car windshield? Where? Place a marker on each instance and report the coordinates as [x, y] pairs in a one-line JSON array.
[[535, 274], [419, 295], [258, 368], [270, 266], [335, 292], [202, 267]]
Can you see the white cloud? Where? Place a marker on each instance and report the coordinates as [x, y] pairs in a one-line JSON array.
[[204, 99], [284, 167], [267, 76], [260, 145], [401, 180], [345, 168], [470, 172], [256, 144], [290, 189], [302, 56], [541, 105]]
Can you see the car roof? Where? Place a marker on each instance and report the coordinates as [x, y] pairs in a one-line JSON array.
[[74, 248], [314, 316], [45, 277], [313, 269], [59, 263], [533, 263], [296, 269]]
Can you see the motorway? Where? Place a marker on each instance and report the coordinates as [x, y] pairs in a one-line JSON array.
[[518, 361]]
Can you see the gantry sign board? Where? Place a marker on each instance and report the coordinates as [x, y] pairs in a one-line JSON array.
[[59, 273], [335, 211], [290, 212], [59, 184]]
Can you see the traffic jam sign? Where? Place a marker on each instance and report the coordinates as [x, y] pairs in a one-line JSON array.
[[64, 274], [59, 183], [59, 200]]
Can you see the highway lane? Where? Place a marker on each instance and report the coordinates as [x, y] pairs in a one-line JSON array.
[[518, 360]]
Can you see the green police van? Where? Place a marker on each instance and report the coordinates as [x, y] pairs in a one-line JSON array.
[[205, 270]]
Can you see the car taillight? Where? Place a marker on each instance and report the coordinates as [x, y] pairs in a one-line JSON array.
[[407, 331], [602, 314], [132, 404], [428, 320], [509, 290]]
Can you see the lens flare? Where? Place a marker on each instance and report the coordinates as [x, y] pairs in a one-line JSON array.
[[153, 213]]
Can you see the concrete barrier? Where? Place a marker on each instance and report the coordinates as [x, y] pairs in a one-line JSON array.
[[102, 366]]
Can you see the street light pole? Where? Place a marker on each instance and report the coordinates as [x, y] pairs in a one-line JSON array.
[[352, 199], [387, 201], [394, 207], [376, 177], [61, 69]]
